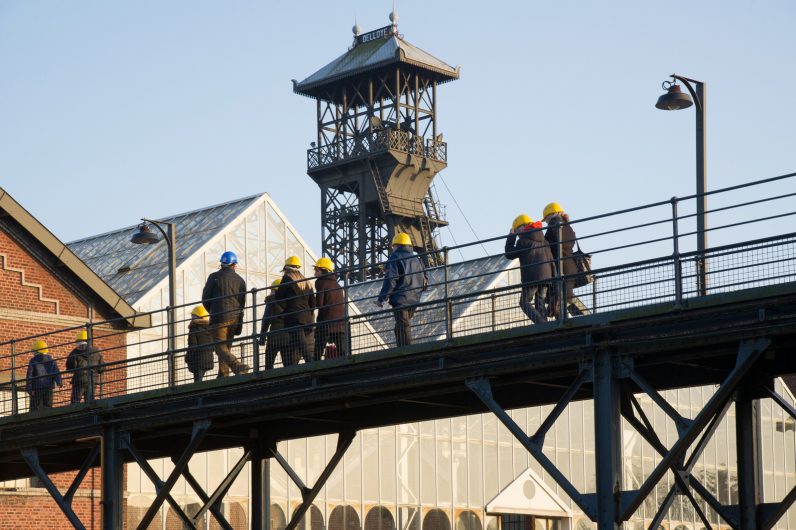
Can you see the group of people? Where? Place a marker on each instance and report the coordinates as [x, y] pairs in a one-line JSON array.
[[43, 375], [539, 254], [289, 324]]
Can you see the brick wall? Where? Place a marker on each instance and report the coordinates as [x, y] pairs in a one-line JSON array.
[[34, 300]]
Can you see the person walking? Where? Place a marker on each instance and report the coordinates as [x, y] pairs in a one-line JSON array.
[[224, 297], [537, 267], [330, 301], [405, 279], [42, 376], [199, 356], [556, 220], [295, 301], [86, 366], [271, 335]]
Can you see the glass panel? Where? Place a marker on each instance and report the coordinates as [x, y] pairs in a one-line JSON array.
[[428, 494], [474, 428], [294, 248], [408, 518], [491, 486], [460, 472], [353, 471], [408, 469], [370, 465], [335, 484], [387, 467], [443, 427], [316, 458], [506, 467], [276, 243], [459, 427], [297, 458], [490, 427], [444, 471], [476, 481]]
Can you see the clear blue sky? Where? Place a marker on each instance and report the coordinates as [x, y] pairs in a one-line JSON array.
[[110, 111]]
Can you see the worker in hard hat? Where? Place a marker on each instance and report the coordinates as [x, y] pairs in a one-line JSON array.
[[199, 356], [330, 332], [537, 268], [224, 297], [43, 374], [405, 279], [271, 328], [85, 363], [295, 301], [558, 222]]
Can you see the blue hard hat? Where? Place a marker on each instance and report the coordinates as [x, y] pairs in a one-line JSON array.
[[229, 258]]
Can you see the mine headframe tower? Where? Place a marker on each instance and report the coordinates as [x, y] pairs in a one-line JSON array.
[[377, 148]]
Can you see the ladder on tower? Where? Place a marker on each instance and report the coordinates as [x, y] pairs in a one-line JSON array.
[[429, 245], [384, 199]]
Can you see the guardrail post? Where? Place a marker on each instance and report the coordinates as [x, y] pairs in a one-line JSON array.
[[14, 392], [89, 364], [678, 266], [255, 338], [349, 351], [494, 312], [593, 293], [448, 307], [562, 293]]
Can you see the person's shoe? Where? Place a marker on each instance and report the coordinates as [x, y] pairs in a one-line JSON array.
[[243, 369]]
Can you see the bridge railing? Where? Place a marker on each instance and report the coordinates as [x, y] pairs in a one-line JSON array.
[[641, 256]]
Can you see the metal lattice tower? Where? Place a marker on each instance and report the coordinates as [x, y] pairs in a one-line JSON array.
[[377, 148]]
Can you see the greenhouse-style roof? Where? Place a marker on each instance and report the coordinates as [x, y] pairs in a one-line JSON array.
[[133, 270]]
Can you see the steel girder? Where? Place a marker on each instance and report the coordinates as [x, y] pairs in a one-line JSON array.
[[614, 382], [64, 502], [308, 494]]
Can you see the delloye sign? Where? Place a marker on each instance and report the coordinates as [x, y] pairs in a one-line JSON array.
[[375, 34]]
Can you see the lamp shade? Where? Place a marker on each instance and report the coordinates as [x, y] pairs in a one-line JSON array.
[[674, 99], [144, 236]]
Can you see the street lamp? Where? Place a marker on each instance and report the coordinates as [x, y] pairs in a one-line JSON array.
[[145, 236], [674, 99]]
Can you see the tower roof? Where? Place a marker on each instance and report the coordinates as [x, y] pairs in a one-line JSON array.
[[372, 52]]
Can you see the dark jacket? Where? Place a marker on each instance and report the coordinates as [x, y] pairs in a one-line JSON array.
[[79, 360], [405, 278], [536, 260], [224, 296], [330, 301], [43, 373], [567, 243], [295, 299], [199, 356], [271, 320]]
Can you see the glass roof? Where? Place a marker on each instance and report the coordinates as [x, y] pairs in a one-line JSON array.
[[133, 270], [465, 278]]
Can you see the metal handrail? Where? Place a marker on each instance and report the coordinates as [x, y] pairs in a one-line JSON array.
[[462, 298]]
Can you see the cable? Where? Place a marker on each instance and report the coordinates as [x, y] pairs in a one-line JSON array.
[[462, 212]]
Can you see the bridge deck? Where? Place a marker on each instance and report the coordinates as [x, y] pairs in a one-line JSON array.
[[527, 366]]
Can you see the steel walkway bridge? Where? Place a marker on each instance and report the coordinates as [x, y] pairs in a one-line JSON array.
[[642, 327]]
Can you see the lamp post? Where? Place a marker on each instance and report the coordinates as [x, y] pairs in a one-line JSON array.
[[145, 236], [674, 99]]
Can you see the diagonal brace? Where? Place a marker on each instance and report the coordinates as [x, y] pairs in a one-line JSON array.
[[212, 502], [198, 433], [538, 437], [214, 508], [679, 421], [308, 495], [88, 463], [31, 456], [748, 353], [483, 389]]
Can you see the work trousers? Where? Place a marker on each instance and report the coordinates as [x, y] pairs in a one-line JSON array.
[[532, 302], [403, 324], [224, 333], [41, 398], [275, 343], [300, 345]]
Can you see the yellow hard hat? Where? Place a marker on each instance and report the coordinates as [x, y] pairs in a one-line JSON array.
[[82, 334], [521, 220], [276, 282], [40, 346], [552, 208], [200, 312], [401, 238], [324, 263], [293, 261]]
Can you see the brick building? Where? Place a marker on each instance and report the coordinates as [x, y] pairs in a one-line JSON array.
[[44, 288]]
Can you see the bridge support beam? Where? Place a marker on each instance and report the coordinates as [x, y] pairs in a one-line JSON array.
[[261, 483], [607, 441], [112, 479], [746, 436], [308, 494], [31, 457]]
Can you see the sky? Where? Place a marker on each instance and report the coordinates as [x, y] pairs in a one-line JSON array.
[[113, 111]]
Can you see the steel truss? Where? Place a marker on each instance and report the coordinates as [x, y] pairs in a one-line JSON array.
[[614, 382]]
